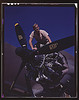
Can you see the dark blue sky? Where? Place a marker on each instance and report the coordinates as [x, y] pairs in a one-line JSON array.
[[59, 22]]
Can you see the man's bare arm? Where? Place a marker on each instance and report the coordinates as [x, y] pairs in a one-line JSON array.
[[31, 45], [48, 39]]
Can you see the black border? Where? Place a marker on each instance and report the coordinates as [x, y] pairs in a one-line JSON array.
[[41, 1]]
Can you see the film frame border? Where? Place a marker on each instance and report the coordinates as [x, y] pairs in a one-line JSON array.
[[39, 4]]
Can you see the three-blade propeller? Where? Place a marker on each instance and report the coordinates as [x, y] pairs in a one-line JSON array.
[[55, 46]]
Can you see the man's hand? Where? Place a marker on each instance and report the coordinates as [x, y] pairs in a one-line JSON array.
[[34, 48]]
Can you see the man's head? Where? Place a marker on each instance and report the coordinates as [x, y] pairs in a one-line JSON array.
[[36, 27]]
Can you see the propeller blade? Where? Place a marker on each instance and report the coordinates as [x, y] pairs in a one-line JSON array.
[[56, 46], [20, 69], [20, 35]]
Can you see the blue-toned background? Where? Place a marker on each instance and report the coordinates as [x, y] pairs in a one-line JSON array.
[[59, 22]]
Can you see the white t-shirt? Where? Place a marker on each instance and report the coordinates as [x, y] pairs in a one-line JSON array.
[[42, 38]]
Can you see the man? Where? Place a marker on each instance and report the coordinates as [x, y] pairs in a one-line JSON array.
[[41, 37]]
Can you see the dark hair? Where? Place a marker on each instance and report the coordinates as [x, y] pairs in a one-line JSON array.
[[34, 25]]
